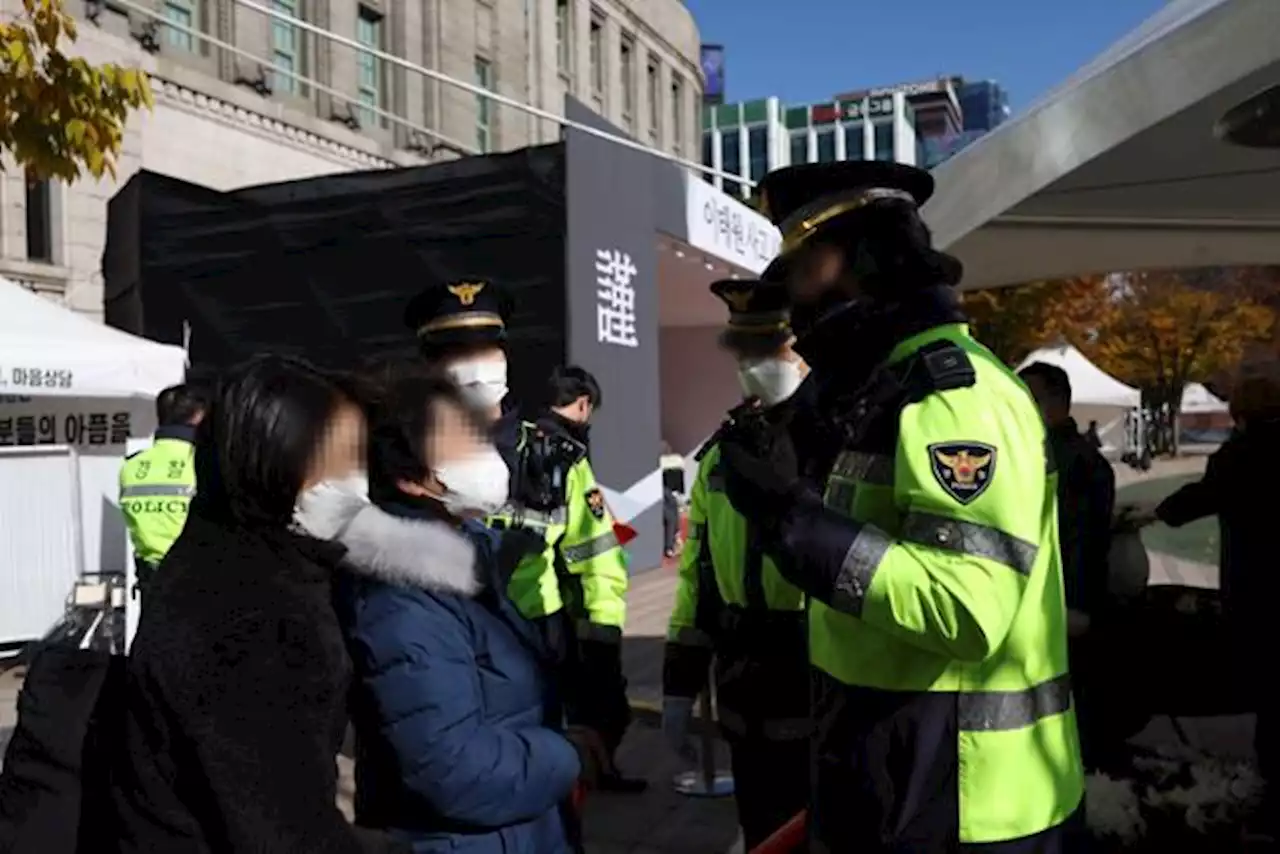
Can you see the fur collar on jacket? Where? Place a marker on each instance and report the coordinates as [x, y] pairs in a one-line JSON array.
[[424, 553]]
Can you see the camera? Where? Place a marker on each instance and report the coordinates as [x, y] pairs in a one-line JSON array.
[[543, 463]]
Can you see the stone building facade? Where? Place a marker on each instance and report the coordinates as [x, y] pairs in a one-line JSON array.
[[228, 119]]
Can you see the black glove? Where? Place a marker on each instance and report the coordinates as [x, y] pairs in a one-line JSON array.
[[761, 484], [513, 545]]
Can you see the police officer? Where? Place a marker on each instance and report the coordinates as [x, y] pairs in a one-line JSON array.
[[575, 587], [571, 578], [731, 602], [156, 485], [937, 630], [462, 328]]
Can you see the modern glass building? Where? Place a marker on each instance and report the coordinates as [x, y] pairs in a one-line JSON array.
[[984, 104], [752, 138]]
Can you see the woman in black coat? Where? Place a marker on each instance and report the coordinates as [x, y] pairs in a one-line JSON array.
[[238, 676]]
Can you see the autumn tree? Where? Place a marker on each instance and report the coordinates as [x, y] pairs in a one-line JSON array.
[[1169, 328], [1014, 321], [61, 116]]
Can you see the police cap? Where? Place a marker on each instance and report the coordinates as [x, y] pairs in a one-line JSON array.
[[759, 314], [802, 200], [463, 313]]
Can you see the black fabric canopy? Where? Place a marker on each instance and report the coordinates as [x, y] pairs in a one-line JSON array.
[[323, 268]]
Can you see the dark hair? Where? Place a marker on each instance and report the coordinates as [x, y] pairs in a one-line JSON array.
[[260, 436], [570, 382], [889, 248], [180, 404], [401, 420], [1054, 379]]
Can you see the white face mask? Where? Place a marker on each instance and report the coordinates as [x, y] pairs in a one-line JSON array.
[[483, 383], [771, 380], [476, 485], [324, 509]]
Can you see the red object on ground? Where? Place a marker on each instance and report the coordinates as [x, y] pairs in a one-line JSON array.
[[624, 532], [787, 838]]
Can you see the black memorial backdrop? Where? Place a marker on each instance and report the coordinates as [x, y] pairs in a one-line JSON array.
[[322, 268]]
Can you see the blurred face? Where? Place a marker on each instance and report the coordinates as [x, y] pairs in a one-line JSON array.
[[196, 418], [817, 270], [341, 453], [467, 476], [482, 376], [772, 378]]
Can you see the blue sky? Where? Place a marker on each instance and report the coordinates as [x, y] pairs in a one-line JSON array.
[[808, 50]]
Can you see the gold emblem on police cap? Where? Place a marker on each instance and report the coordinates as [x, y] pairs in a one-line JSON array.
[[466, 291]]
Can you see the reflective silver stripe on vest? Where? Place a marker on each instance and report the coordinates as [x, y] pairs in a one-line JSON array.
[[591, 548], [588, 630], [776, 729], [839, 495], [868, 468], [989, 711], [859, 568], [970, 538], [689, 636], [157, 491]]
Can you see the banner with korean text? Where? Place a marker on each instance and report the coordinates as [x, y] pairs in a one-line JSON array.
[[612, 292]]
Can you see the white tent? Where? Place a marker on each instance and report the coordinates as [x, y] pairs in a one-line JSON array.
[[49, 351], [1095, 394], [73, 394], [1198, 400]]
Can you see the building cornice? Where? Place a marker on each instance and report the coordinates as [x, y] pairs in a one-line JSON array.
[[241, 118]]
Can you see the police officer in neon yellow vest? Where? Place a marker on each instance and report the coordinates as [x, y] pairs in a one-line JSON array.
[[575, 587], [731, 602], [156, 485], [937, 629]]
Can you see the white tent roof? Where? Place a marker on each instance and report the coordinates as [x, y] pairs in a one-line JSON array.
[[1196, 399], [74, 356], [1119, 167], [1090, 385]]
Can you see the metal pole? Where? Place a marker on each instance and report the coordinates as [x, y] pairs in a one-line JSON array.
[[708, 742], [707, 781]]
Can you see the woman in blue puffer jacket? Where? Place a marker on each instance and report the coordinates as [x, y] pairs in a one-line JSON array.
[[457, 726]]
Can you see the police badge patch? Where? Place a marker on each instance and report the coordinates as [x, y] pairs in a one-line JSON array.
[[964, 470], [595, 502]]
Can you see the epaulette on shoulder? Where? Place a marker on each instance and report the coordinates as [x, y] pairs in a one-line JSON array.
[[945, 365]]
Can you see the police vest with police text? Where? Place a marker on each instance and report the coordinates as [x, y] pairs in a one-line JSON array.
[[156, 488]]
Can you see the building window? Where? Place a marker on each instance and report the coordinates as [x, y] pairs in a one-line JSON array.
[[184, 14], [731, 160], [369, 72], [627, 64], [800, 147], [708, 155], [854, 144], [758, 152], [39, 222], [286, 48], [826, 145], [596, 46], [564, 36], [677, 112], [884, 140], [484, 106], [653, 85]]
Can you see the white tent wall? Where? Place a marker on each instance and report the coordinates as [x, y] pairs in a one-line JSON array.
[[1198, 400]]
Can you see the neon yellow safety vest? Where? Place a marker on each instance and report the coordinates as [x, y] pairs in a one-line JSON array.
[[732, 602], [951, 590], [582, 565], [156, 487]]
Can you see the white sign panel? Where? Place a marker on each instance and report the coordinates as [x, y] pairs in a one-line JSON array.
[[722, 226]]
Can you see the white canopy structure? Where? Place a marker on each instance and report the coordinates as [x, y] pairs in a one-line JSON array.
[[1096, 396], [1119, 167], [50, 351], [1198, 400]]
